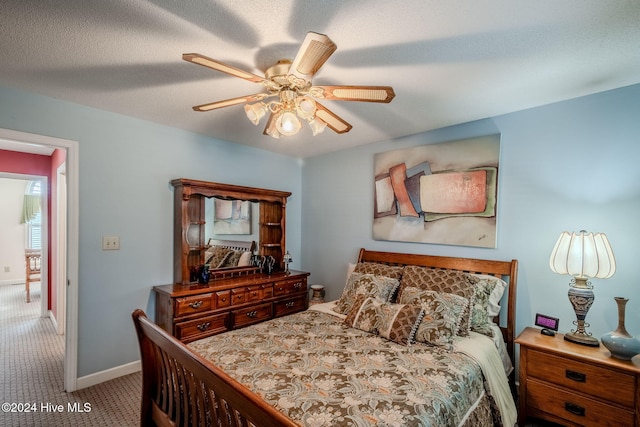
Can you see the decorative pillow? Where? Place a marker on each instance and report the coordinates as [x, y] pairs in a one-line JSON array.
[[442, 314], [493, 306], [444, 281], [350, 267], [395, 322], [217, 256], [480, 320], [392, 271], [369, 285], [232, 259], [245, 259]]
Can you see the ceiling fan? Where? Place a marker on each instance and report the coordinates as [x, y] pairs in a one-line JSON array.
[[289, 82]]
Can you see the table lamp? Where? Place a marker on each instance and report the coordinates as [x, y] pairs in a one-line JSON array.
[[582, 255]]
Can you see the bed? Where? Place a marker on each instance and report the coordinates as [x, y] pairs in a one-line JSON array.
[[334, 365]]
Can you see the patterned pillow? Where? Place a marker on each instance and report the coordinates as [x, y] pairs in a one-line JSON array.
[[395, 322], [493, 306], [232, 259], [369, 285], [442, 314], [217, 256], [444, 281], [392, 271], [480, 319]]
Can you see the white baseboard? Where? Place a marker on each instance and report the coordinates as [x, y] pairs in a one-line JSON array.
[[109, 374], [53, 319], [12, 282]]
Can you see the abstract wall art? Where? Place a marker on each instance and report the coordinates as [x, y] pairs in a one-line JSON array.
[[443, 193], [232, 217]]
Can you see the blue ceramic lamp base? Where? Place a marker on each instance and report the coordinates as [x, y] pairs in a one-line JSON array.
[[581, 297]]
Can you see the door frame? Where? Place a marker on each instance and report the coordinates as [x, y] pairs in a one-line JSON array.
[[72, 173], [61, 248]]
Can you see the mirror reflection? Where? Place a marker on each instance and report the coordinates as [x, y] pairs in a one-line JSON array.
[[228, 223]]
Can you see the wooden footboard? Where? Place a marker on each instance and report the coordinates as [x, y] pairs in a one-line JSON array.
[[179, 388]]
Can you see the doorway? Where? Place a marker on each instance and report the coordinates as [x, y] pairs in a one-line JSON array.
[[24, 142]]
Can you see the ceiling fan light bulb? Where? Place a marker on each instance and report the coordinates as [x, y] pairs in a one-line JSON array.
[[288, 123], [317, 126], [255, 112]]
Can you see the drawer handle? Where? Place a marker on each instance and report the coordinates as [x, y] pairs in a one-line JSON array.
[[252, 314], [574, 409], [238, 296], [576, 376], [223, 299], [203, 326], [195, 304], [290, 304], [253, 294]]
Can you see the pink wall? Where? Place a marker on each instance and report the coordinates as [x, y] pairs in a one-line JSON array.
[[35, 164]]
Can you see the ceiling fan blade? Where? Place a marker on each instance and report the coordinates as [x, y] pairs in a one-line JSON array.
[[313, 53], [196, 58], [229, 102], [354, 93], [333, 121]]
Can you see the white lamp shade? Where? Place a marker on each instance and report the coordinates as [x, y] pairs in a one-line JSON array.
[[305, 106], [255, 112], [317, 126], [288, 123], [271, 128], [583, 254]]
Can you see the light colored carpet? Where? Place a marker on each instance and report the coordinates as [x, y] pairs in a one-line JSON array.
[[31, 381]]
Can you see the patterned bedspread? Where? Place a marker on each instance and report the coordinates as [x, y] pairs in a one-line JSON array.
[[320, 372]]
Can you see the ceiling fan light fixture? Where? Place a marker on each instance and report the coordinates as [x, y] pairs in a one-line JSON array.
[[298, 100], [288, 123], [271, 129], [305, 107], [317, 126], [255, 112]]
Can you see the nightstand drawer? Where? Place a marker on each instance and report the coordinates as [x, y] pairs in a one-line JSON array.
[[597, 381], [192, 304], [573, 407]]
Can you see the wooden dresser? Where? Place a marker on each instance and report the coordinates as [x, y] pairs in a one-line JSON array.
[[194, 311], [576, 385]]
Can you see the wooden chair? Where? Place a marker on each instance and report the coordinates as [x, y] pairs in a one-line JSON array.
[[33, 259]]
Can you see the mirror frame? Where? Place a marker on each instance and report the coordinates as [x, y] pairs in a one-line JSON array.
[[189, 220]]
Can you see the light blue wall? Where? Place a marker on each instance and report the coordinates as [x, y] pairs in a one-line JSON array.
[[566, 166], [125, 168]]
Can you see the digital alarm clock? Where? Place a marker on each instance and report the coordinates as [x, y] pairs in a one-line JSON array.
[[549, 324]]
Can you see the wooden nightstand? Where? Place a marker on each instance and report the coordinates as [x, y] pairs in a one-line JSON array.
[[576, 385]]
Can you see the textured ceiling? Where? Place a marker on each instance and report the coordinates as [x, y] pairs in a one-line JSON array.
[[449, 61]]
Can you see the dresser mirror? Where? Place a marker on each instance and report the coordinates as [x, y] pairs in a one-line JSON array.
[[193, 198]]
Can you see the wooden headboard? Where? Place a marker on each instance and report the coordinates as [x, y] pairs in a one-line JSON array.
[[233, 244], [506, 270]]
